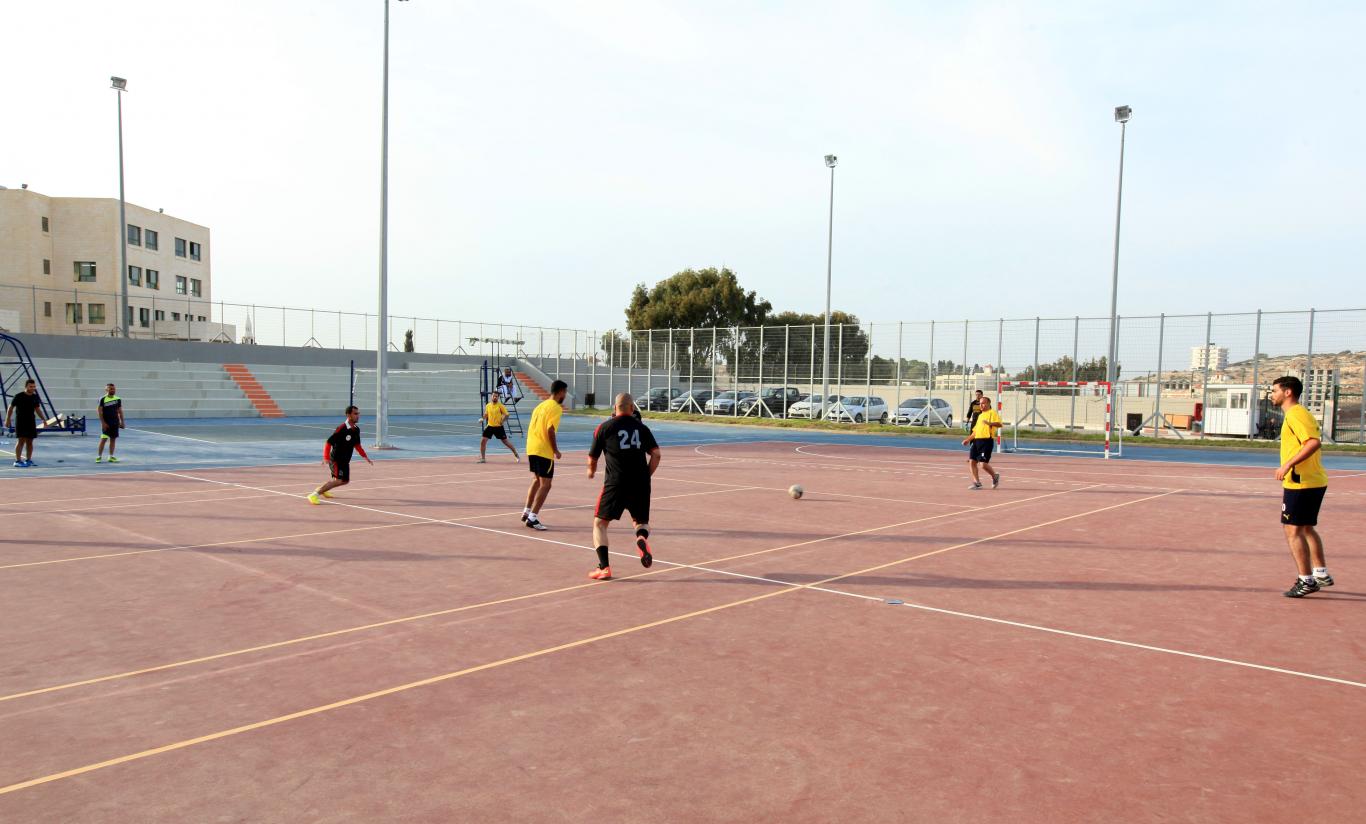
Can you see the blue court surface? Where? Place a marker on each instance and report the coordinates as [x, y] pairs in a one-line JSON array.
[[174, 444]]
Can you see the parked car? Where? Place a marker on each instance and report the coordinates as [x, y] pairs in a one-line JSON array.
[[807, 407], [772, 402], [923, 412], [724, 403], [858, 409], [691, 401], [658, 398]]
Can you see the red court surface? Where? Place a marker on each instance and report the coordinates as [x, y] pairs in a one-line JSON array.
[[1093, 641]]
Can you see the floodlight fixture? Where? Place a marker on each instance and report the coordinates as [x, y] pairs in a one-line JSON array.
[[118, 83], [831, 160], [1122, 114]]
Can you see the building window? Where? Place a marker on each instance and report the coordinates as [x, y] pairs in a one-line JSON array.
[[144, 317], [149, 240], [134, 235], [201, 318], [47, 266], [195, 250], [175, 316], [153, 279], [159, 314], [180, 247], [180, 284], [47, 308], [134, 275], [45, 227], [85, 271], [196, 288], [73, 313], [96, 312]]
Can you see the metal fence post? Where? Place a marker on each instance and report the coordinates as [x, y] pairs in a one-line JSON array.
[[868, 377], [787, 340], [1158, 420], [1204, 398], [692, 363], [811, 372], [900, 335], [1034, 390], [1000, 353], [649, 363], [1254, 417], [1076, 337], [963, 395], [839, 355], [929, 379], [559, 351], [760, 389], [1361, 407], [712, 358], [735, 376]]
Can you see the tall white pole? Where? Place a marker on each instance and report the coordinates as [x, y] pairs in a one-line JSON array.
[[829, 260], [123, 230], [1110, 373], [382, 345]]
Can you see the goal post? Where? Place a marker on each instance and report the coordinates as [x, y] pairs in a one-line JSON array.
[[1059, 406]]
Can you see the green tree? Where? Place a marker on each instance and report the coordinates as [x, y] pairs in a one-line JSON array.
[[1061, 370], [695, 298]]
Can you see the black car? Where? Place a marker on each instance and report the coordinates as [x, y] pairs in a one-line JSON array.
[[694, 401], [658, 398], [771, 403]]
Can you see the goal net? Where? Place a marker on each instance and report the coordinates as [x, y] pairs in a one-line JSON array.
[[1052, 409]]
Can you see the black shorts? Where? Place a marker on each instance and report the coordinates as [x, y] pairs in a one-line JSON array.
[[618, 498], [341, 470], [1300, 507], [495, 432], [980, 450], [25, 429], [110, 430], [541, 467]]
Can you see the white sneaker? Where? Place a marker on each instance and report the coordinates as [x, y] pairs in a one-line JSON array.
[[481, 460], [975, 486]]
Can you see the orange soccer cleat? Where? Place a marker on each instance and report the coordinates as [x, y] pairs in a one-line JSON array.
[[604, 574]]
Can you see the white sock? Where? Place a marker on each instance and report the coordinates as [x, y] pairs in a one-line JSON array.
[[1306, 577], [526, 510], [1320, 572]]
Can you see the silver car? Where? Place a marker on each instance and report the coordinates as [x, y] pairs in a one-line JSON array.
[[923, 412]]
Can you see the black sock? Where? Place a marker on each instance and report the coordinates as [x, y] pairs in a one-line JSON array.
[[642, 532], [602, 557]]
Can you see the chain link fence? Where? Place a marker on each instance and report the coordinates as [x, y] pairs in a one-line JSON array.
[[1178, 374]]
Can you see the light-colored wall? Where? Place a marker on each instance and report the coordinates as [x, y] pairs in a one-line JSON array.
[[88, 229]]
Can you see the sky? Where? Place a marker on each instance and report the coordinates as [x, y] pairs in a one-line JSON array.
[[546, 156]]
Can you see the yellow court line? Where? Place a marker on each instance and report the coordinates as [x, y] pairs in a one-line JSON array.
[[436, 679], [262, 540], [347, 630], [418, 521], [268, 493], [832, 494]]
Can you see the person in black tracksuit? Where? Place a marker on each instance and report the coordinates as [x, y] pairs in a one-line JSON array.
[[632, 457]]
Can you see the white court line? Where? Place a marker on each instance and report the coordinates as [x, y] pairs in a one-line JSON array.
[[1263, 472], [1134, 645], [169, 435], [832, 494]]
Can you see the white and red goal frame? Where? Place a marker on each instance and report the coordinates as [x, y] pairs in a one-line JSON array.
[[1113, 447]]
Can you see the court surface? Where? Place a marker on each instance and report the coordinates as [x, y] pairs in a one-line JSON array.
[[1094, 641]]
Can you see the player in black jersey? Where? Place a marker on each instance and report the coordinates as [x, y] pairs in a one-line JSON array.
[[632, 457], [344, 440]]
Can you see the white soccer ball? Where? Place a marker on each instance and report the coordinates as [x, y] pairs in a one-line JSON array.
[[795, 491]]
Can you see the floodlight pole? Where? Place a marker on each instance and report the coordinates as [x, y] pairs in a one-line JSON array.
[[120, 85], [830, 162], [1122, 114], [382, 344]]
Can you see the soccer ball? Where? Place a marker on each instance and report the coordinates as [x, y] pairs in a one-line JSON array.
[[795, 491]]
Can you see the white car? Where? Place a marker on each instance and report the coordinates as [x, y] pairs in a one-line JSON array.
[[806, 408], [923, 412], [858, 409], [724, 402]]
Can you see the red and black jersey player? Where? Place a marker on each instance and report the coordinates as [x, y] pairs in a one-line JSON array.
[[337, 454], [632, 457]]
